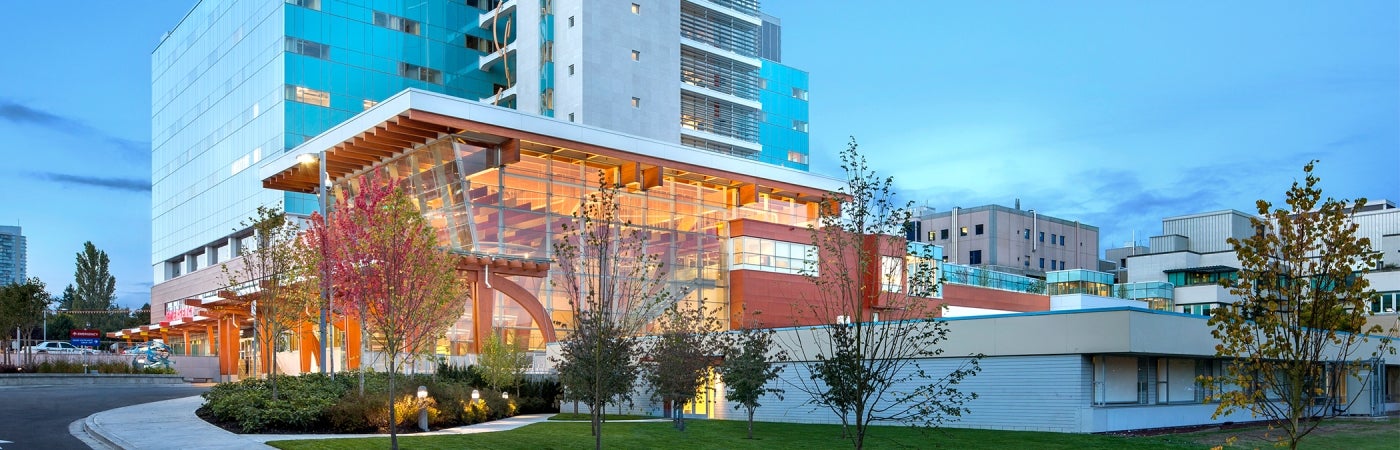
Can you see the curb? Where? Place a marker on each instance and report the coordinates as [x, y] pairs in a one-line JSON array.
[[93, 429], [69, 379]]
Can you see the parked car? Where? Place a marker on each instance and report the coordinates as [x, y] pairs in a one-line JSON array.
[[58, 347]]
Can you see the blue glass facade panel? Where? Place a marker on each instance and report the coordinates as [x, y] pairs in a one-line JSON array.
[[221, 83], [783, 131]]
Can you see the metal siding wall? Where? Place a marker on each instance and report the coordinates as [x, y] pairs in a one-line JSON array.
[[1038, 393]]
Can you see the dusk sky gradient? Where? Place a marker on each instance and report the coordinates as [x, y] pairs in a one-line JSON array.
[[1113, 113]]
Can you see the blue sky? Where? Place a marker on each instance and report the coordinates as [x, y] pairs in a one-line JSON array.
[[1113, 113]]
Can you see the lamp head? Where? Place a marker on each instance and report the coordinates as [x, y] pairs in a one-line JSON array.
[[476, 395], [422, 392], [307, 158]]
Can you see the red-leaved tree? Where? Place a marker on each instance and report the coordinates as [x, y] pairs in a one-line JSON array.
[[384, 262]]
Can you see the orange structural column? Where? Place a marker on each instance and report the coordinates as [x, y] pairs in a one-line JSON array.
[[208, 340], [352, 344], [307, 342], [227, 352], [483, 303], [187, 342]]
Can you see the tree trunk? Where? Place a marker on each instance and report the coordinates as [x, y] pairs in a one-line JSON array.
[[750, 423], [393, 420]]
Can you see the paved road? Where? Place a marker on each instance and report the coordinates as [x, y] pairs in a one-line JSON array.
[[37, 417]]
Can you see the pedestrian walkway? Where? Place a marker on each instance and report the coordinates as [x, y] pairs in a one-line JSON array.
[[172, 424]]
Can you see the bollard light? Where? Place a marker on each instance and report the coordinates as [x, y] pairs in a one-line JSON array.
[[422, 412], [505, 396], [476, 395]]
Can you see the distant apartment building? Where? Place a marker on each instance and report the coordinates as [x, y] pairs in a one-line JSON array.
[[1009, 240], [1192, 254], [12, 255]]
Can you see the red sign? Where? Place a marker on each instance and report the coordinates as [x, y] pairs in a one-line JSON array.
[[182, 313], [90, 334]]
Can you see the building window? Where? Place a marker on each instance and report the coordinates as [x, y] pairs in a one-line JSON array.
[[308, 48], [479, 44], [636, 55], [763, 83], [1042, 263], [636, 9], [308, 4], [974, 257], [1120, 380], [1052, 238], [977, 229], [943, 234], [1386, 302], [308, 96], [747, 252], [797, 157], [891, 273], [1062, 239], [393, 22], [420, 73], [636, 102], [799, 126], [962, 231], [1063, 266], [799, 93], [1028, 234], [1042, 236], [571, 70]]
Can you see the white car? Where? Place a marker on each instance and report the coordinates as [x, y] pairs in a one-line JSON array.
[[57, 347]]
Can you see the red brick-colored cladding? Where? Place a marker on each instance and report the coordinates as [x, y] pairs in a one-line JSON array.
[[979, 297], [769, 299], [781, 297]]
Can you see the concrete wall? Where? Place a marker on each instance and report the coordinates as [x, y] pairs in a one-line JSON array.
[[609, 78]]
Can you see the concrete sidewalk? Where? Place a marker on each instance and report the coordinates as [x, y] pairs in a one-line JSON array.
[[172, 424]]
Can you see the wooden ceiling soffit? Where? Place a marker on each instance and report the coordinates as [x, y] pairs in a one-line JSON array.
[[386, 140], [376, 155], [421, 125], [635, 176], [362, 143], [409, 131], [361, 158], [595, 152], [405, 137]]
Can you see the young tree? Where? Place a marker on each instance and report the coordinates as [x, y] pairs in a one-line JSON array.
[[502, 364], [683, 348], [96, 288], [862, 369], [1302, 286], [272, 278], [748, 368], [387, 266], [22, 307], [615, 286]]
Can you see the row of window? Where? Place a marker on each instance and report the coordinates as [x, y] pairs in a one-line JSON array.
[[1386, 302], [770, 255], [797, 93], [943, 234], [1053, 237]]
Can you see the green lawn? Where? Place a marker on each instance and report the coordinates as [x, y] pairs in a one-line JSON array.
[[606, 417], [719, 434]]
